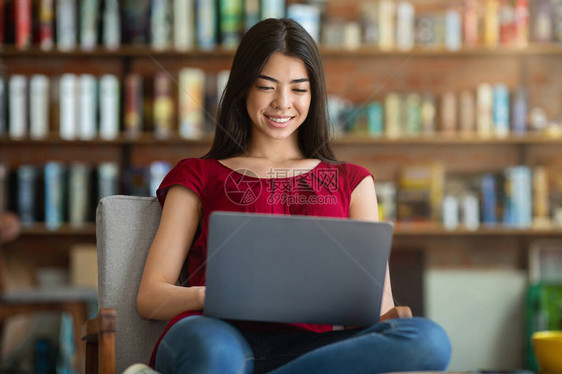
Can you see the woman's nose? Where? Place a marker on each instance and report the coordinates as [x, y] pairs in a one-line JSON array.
[[282, 100]]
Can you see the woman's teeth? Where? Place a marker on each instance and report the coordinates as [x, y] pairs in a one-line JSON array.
[[280, 120]]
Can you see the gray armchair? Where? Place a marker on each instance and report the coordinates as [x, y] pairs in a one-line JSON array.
[[118, 336]]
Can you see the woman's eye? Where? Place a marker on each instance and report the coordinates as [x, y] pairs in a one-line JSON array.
[[300, 90], [265, 88]]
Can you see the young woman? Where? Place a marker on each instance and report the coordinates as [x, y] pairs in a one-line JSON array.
[[271, 154]]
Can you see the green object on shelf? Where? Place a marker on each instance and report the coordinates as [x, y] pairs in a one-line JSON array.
[[543, 311]]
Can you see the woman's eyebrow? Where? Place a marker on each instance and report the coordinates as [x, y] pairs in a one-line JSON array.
[[299, 80]]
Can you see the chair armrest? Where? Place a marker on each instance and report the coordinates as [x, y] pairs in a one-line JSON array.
[[397, 312], [104, 322]]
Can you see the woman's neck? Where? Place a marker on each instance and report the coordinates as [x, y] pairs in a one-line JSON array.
[[275, 150]]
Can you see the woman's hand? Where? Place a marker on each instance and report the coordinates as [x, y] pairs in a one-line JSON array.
[[201, 295]]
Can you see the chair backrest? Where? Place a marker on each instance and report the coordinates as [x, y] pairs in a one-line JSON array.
[[125, 227]]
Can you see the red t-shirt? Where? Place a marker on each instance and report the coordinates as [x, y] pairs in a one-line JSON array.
[[323, 191]]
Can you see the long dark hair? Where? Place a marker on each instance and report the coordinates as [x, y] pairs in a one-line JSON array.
[[234, 128]]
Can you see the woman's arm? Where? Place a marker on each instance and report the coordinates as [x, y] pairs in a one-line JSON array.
[[158, 296], [364, 206]]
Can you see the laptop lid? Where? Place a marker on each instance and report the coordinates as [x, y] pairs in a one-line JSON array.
[[297, 269]]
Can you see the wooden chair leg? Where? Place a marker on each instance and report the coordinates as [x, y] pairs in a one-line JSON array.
[[92, 357], [79, 312]]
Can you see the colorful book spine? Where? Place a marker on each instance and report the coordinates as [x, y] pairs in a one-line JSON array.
[[470, 23], [520, 196], [231, 24], [466, 113], [405, 25], [109, 107], [46, 24], [449, 113], [450, 212], [522, 23], [160, 24], [89, 24], [470, 211], [251, 13], [184, 24], [543, 28], [27, 194], [191, 102], [428, 112], [111, 33], [38, 107], [3, 111], [375, 119], [108, 179], [23, 15], [272, 9], [519, 112], [369, 12], [18, 107], [507, 23], [66, 25], [79, 192], [206, 24], [54, 195], [133, 105], [387, 12], [87, 124], [484, 122], [135, 21], [453, 30], [413, 110], [163, 106], [308, 15], [501, 110], [541, 206], [425, 30], [491, 23], [392, 115], [489, 199], [68, 106]]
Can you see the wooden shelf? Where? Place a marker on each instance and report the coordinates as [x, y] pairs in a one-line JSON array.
[[351, 139], [400, 230], [547, 49]]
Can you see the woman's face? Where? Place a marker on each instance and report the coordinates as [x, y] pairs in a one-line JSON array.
[[279, 100]]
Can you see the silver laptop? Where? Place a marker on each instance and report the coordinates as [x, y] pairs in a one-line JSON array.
[[297, 269]]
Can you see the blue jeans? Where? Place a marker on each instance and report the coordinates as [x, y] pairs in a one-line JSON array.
[[199, 344]]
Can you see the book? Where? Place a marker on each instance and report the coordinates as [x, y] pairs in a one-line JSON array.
[[541, 211], [506, 23], [137, 181], [272, 9], [109, 103], [501, 110], [55, 190], [470, 211], [135, 21], [184, 24], [426, 27], [3, 111], [231, 22], [191, 102], [375, 119], [489, 199], [251, 13], [206, 17], [38, 106], [157, 172], [27, 194], [133, 109], [453, 30], [87, 96], [449, 113], [369, 22], [111, 33], [18, 106], [68, 128], [386, 198], [89, 24], [351, 36], [79, 194], [470, 23], [491, 23], [392, 115], [543, 28], [160, 24], [66, 27], [484, 121], [518, 206], [108, 179], [557, 20], [519, 112], [387, 13], [23, 17], [46, 24], [308, 16], [521, 23], [413, 114], [451, 212], [163, 105], [405, 24], [420, 192], [428, 112]]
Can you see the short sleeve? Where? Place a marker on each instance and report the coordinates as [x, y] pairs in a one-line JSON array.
[[189, 173], [355, 175]]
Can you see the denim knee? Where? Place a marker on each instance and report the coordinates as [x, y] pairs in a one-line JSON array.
[[430, 341], [199, 344]]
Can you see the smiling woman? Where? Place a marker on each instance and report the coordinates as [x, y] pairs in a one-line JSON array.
[[271, 154]]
